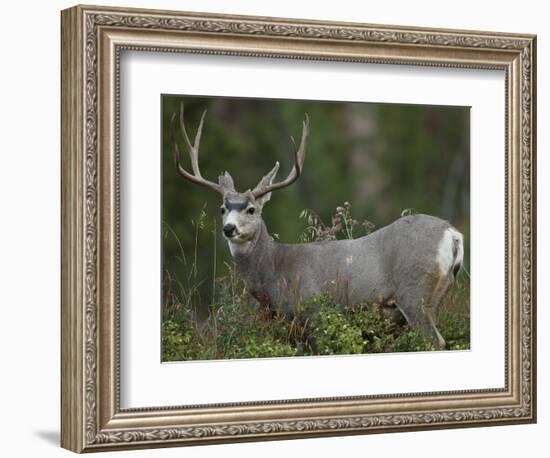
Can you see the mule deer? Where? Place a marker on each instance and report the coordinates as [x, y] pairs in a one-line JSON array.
[[410, 263]]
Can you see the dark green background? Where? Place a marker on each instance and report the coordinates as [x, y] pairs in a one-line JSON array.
[[382, 158]]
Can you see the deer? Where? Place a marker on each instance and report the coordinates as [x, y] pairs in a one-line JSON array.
[[409, 264]]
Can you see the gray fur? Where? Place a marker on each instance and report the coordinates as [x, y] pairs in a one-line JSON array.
[[226, 182]]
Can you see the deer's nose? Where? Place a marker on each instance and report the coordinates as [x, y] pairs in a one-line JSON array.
[[229, 230]]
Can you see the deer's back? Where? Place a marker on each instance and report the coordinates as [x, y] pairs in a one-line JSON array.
[[368, 268]]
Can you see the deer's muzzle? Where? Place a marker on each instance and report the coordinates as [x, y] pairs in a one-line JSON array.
[[229, 230]]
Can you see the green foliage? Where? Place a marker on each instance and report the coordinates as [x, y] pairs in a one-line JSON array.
[[180, 341], [454, 320], [262, 348], [334, 335], [413, 340], [456, 329], [236, 328], [365, 329]]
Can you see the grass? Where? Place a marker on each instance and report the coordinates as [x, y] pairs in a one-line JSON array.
[[236, 327]]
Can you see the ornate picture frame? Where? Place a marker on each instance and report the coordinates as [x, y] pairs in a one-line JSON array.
[[92, 41]]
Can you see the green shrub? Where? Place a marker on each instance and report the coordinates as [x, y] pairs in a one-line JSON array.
[[413, 340], [235, 328], [180, 342], [456, 330], [335, 335], [378, 332], [261, 348]]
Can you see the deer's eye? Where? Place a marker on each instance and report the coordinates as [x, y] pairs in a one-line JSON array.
[[222, 210], [251, 210]]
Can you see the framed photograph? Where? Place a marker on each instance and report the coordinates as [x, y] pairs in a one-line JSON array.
[[277, 228]]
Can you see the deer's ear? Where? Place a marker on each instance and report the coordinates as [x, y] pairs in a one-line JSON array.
[[261, 201], [265, 182], [226, 182]]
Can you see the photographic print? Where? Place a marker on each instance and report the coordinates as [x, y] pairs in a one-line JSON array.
[[295, 228]]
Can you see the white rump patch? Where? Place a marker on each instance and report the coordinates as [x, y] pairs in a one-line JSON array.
[[450, 251]]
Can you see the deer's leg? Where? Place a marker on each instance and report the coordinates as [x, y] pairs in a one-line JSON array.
[[433, 311], [433, 331], [440, 291], [418, 309]]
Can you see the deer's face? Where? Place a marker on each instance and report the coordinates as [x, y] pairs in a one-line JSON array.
[[241, 212], [241, 217]]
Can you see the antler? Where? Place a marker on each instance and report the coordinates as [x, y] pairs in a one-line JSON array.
[[299, 155], [196, 177]]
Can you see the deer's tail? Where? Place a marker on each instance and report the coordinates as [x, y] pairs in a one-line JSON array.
[[458, 251], [450, 252]]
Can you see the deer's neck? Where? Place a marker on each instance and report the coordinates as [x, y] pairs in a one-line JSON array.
[[255, 263], [253, 253]]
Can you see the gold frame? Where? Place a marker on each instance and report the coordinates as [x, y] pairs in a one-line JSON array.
[[92, 39]]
